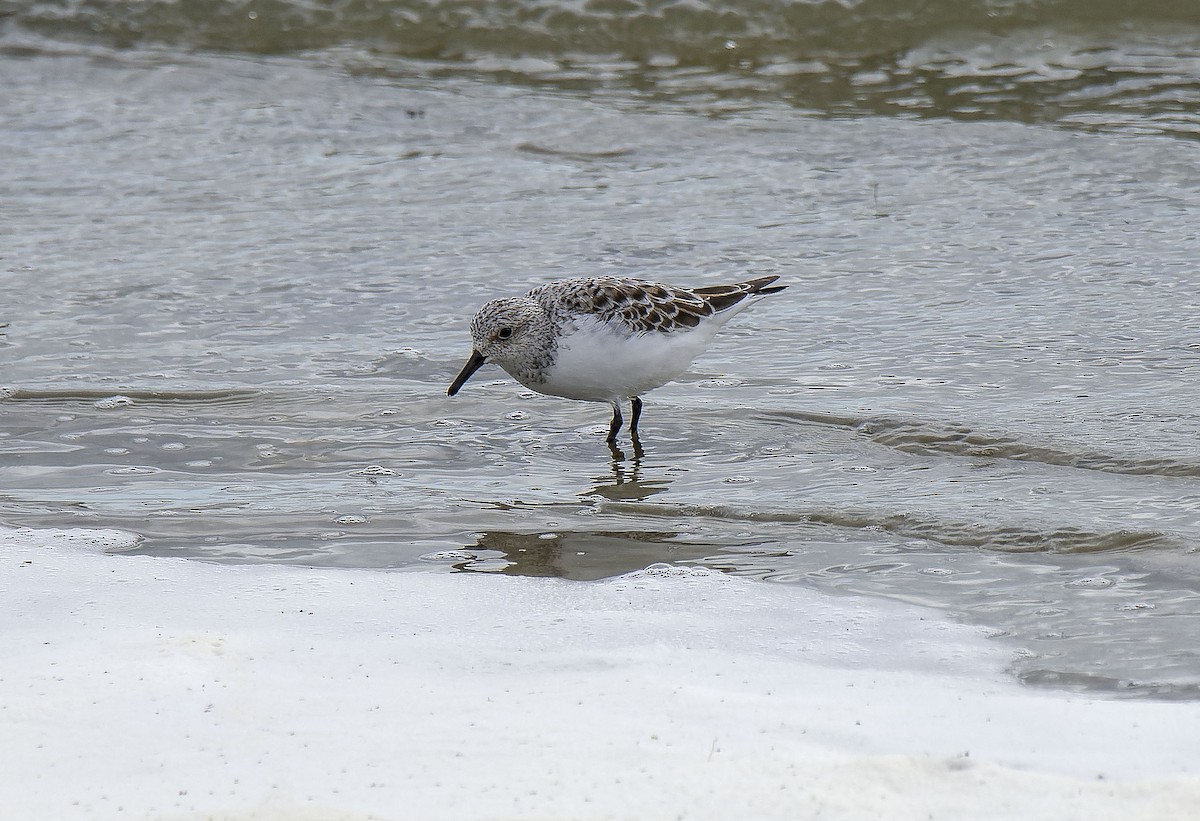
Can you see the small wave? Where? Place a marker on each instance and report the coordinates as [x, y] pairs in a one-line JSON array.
[[611, 154], [1010, 539], [707, 32], [928, 438], [1080, 64], [123, 397]]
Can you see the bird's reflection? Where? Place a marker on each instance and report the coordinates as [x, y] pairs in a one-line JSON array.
[[624, 482], [581, 555], [618, 455], [622, 546]]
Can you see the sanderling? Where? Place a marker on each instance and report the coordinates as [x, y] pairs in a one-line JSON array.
[[604, 339]]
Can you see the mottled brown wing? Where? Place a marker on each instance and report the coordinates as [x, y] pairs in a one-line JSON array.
[[640, 306], [645, 307]]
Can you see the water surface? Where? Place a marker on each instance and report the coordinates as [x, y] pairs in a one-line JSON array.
[[238, 275]]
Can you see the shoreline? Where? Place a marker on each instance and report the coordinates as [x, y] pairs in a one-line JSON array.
[[145, 687]]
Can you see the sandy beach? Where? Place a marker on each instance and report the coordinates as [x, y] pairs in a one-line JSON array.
[[153, 688]]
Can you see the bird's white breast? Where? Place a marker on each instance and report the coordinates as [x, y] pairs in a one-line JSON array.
[[600, 362]]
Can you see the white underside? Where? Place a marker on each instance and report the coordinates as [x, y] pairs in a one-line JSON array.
[[599, 364]]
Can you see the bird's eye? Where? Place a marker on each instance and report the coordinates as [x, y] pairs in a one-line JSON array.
[[504, 333]]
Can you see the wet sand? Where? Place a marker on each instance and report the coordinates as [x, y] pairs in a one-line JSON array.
[[157, 688]]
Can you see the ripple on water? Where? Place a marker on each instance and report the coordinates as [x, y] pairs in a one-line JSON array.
[[1007, 539], [919, 436]]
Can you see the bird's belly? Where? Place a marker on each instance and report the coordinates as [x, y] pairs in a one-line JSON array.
[[599, 365]]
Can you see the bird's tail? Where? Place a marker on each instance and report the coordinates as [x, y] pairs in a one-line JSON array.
[[721, 297]]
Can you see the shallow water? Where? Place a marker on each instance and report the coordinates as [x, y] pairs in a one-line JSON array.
[[238, 285]]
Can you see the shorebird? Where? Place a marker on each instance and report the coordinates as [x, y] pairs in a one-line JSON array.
[[604, 339]]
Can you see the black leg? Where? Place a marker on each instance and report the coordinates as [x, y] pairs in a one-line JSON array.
[[635, 403], [616, 424]]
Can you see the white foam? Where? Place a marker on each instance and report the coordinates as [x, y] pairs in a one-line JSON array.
[[163, 688]]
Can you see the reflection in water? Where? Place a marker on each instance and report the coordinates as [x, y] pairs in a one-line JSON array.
[[618, 455], [586, 555], [582, 555], [627, 485]]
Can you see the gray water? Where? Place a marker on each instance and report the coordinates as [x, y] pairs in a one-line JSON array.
[[236, 288]]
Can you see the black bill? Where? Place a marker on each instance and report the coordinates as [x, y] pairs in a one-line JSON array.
[[473, 364]]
